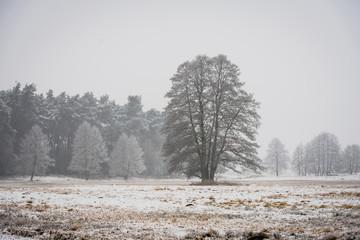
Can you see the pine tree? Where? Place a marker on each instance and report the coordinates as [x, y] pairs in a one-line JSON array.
[[135, 123], [153, 160], [7, 137]]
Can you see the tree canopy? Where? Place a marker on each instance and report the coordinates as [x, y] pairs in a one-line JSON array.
[[59, 116], [89, 150], [210, 119], [34, 158], [277, 158], [126, 159]]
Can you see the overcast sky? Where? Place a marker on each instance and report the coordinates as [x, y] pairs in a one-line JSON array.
[[300, 59]]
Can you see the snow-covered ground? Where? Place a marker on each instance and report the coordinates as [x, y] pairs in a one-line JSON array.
[[285, 208]]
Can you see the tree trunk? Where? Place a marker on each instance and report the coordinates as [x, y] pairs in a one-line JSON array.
[[212, 172], [277, 166], [204, 169], [207, 181], [206, 178], [33, 170], [126, 177]]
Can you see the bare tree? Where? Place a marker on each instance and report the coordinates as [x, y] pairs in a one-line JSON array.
[[307, 158], [210, 120], [325, 153], [299, 160], [277, 157], [88, 150], [126, 158], [351, 156], [34, 153]]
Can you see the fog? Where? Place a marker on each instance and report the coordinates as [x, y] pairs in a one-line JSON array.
[[300, 59]]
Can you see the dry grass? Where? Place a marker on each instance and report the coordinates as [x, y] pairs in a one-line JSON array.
[[279, 205], [162, 189], [276, 196], [215, 214]]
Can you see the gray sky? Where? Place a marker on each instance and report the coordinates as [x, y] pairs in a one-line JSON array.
[[301, 59]]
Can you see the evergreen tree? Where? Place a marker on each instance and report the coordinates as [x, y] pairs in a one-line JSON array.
[[7, 135], [135, 123], [153, 160], [109, 121], [15, 103], [60, 116]]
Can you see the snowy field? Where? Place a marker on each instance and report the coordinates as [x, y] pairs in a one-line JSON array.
[[252, 208]]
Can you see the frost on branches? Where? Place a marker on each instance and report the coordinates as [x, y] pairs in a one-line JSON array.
[[277, 158], [320, 157], [89, 150], [351, 156], [210, 120], [126, 158], [34, 158]]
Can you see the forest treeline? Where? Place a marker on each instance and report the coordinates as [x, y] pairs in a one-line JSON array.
[[59, 117], [85, 135], [322, 156]]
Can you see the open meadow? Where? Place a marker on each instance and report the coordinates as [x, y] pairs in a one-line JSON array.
[[259, 208]]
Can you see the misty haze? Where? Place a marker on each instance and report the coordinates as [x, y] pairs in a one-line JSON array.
[[179, 119]]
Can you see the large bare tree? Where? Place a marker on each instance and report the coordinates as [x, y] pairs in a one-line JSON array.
[[210, 120]]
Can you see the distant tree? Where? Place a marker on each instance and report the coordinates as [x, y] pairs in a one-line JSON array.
[[351, 157], [277, 157], [109, 122], [60, 116], [62, 125], [7, 137], [299, 162], [153, 160], [325, 154], [308, 154], [34, 158], [88, 108], [89, 150], [24, 111], [210, 120], [13, 100], [135, 123], [126, 158]]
